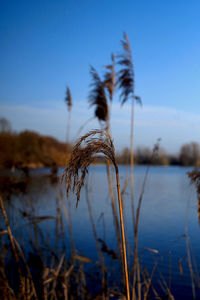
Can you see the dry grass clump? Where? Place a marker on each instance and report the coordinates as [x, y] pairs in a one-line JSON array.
[[31, 276]]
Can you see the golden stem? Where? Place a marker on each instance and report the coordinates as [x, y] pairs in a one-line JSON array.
[[122, 233]]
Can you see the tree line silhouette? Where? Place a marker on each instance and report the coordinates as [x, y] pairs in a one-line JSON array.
[[30, 149]]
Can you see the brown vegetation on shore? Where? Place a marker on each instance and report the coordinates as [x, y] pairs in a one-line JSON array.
[[32, 150]]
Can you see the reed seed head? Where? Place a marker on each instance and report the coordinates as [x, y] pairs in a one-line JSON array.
[[126, 76], [125, 79], [97, 96], [86, 151], [68, 99]]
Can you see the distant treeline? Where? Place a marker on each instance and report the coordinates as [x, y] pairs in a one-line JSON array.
[[32, 150], [189, 155]]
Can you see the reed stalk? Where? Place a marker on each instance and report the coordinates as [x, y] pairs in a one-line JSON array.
[[126, 83], [68, 101], [112, 196], [132, 163], [77, 169], [98, 98], [68, 126], [122, 233], [136, 267]]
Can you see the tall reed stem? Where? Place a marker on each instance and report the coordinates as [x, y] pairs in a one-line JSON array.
[[113, 202], [122, 234], [132, 164], [68, 127]]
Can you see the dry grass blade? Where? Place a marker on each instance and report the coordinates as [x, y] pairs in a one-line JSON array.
[[68, 99], [155, 251], [29, 277], [2, 232], [180, 266], [49, 280], [97, 96], [45, 273], [60, 265], [54, 278], [148, 280], [82, 258], [68, 272]]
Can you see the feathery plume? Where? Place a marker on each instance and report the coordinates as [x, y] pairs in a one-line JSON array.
[[95, 142], [68, 99], [97, 96], [126, 76]]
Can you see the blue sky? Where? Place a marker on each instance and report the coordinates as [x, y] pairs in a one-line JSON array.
[[48, 44]]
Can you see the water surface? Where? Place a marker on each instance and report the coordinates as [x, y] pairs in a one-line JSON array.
[[168, 212]]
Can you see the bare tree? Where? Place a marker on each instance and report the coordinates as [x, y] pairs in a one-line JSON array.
[[5, 125]]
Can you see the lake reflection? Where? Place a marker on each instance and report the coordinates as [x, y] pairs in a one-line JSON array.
[[169, 204]]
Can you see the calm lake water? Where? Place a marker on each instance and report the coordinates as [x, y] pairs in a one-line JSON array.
[[169, 207]]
